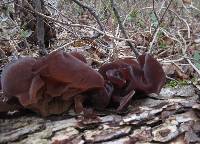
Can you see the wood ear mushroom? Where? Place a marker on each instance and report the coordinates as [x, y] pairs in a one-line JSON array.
[[144, 75], [52, 84], [49, 85]]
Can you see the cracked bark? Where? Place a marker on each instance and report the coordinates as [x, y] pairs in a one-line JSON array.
[[171, 117]]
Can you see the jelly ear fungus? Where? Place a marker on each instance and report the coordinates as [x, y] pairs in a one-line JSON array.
[[52, 84], [128, 76]]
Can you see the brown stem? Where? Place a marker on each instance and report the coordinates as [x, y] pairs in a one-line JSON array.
[[93, 13], [40, 26], [133, 47]]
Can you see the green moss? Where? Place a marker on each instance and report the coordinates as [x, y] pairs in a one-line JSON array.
[[133, 15], [174, 83], [162, 45]]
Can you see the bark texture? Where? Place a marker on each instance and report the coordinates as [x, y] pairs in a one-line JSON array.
[[171, 117]]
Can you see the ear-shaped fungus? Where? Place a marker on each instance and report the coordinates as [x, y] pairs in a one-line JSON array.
[[145, 76], [50, 84]]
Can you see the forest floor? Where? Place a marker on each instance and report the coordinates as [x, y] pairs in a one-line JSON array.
[[168, 30]]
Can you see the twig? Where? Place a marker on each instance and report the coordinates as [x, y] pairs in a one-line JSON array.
[[117, 34], [194, 67], [184, 42], [2, 54], [167, 34], [192, 6], [5, 3], [122, 29], [40, 27], [67, 29], [171, 78], [59, 12], [154, 11], [18, 28], [15, 52], [184, 49], [93, 13], [170, 61], [184, 54], [180, 18], [153, 40], [187, 25], [63, 46], [162, 17], [75, 25], [158, 26]]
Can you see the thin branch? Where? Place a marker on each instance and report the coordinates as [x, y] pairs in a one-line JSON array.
[[75, 25], [154, 11], [162, 17], [2, 54], [158, 26], [40, 27], [5, 3], [122, 29], [192, 6], [194, 67], [63, 46], [93, 13]]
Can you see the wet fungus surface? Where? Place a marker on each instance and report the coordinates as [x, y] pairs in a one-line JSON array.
[[52, 84], [127, 75]]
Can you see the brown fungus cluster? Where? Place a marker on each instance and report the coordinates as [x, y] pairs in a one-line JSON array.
[[127, 76], [52, 84]]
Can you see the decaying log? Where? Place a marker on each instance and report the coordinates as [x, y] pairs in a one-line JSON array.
[[171, 117]]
